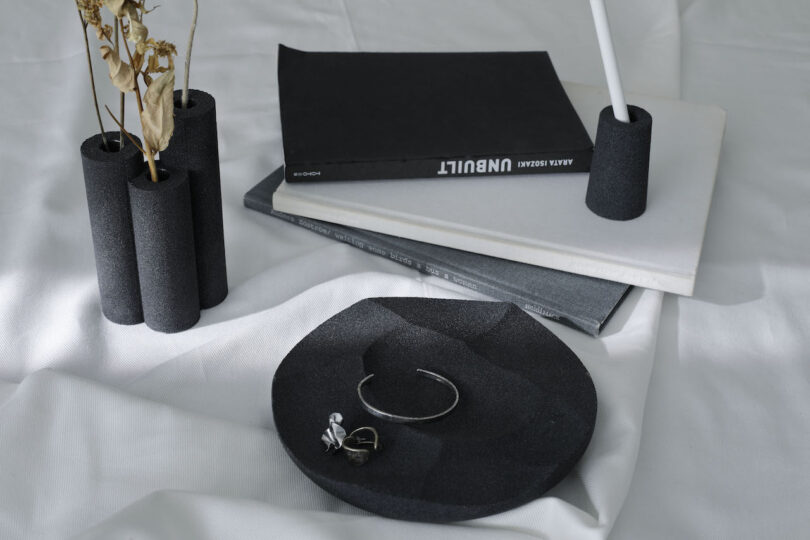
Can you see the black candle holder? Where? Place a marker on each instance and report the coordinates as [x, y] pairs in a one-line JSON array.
[[617, 187]]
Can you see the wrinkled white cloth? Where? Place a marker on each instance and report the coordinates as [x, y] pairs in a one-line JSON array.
[[119, 432], [726, 445]]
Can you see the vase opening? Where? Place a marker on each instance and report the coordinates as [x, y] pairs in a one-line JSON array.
[[113, 146], [163, 174], [178, 104]]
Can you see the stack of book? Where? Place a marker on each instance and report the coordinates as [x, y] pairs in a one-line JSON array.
[[473, 169]]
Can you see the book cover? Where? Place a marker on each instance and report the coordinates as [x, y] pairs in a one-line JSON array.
[[581, 302], [544, 221], [359, 116]]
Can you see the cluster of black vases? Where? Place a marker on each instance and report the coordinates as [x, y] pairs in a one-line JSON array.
[[159, 246]]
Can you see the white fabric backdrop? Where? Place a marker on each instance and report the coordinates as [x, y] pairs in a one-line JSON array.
[[726, 445], [142, 435]]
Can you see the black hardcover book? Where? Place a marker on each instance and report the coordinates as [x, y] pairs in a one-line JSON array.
[[361, 116], [582, 302]]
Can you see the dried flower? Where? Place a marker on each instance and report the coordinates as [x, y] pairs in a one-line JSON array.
[[118, 7], [121, 73], [137, 31], [160, 49], [90, 11], [91, 14], [165, 49], [104, 32], [157, 107], [157, 117]]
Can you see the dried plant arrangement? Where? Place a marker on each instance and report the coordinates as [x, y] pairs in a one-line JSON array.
[[155, 105]]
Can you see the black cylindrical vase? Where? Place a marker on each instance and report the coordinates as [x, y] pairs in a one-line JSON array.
[[164, 243], [617, 187], [193, 147], [106, 175]]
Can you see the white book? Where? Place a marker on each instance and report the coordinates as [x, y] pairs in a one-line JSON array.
[[543, 219]]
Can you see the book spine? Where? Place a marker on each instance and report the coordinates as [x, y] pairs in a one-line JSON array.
[[429, 266], [557, 162]]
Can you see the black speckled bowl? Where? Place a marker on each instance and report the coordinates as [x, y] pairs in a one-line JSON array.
[[525, 416]]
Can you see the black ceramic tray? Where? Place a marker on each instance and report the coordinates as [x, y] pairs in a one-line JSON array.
[[525, 416]]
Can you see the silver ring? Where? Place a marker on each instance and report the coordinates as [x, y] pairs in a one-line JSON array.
[[358, 448], [400, 419]]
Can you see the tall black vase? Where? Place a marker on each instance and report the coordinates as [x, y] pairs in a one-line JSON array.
[[164, 243], [193, 147], [106, 175]]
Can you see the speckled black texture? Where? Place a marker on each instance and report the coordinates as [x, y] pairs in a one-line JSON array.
[[164, 243], [193, 147], [617, 188], [525, 416], [106, 175]]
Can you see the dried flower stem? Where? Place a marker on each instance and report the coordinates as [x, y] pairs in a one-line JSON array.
[[150, 155], [124, 131], [184, 98], [93, 81], [121, 97]]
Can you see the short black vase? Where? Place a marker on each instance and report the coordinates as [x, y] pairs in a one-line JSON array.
[[617, 187], [106, 176], [164, 243], [193, 147]]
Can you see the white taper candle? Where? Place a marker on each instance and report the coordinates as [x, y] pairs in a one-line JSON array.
[[614, 81]]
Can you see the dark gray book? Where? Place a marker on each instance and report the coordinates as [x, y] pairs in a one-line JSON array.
[[582, 302]]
